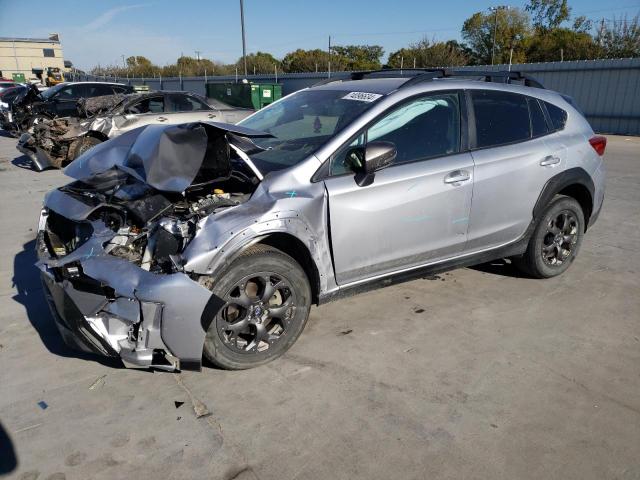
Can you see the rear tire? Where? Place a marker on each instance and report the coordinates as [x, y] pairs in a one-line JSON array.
[[267, 298], [556, 239], [81, 145]]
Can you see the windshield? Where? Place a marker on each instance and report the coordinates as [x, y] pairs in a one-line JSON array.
[[301, 123], [49, 92]]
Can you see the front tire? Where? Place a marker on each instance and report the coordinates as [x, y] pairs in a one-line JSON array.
[[556, 239], [267, 298]]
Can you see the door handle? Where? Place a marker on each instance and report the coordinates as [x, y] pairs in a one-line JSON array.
[[550, 160], [162, 119], [212, 115], [457, 176]]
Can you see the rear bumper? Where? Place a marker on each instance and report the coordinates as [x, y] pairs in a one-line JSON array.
[[599, 179]]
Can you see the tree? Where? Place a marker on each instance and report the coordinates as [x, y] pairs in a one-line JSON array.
[[425, 54], [511, 26], [312, 60], [139, 66], [548, 14], [359, 57], [561, 44], [620, 38], [260, 62]]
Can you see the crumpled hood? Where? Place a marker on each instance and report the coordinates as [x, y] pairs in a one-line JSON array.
[[166, 157]]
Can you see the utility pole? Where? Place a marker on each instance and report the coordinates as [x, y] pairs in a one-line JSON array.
[[329, 63], [124, 64], [198, 52], [244, 45], [495, 28]]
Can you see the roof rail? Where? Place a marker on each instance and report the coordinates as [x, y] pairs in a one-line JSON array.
[[363, 73], [499, 76], [418, 75]]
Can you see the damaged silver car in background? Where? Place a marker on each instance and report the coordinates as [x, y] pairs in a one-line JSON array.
[[56, 142]]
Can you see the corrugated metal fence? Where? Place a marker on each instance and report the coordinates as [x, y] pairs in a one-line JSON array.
[[608, 91]]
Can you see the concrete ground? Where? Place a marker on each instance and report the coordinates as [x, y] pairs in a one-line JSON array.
[[478, 373]]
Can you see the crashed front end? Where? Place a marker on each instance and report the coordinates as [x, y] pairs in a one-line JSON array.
[[110, 243], [52, 141]]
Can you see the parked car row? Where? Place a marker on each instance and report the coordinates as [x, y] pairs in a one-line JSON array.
[[61, 123]]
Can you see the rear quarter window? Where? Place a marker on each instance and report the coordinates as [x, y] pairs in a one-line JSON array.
[[538, 122], [500, 118], [557, 116]]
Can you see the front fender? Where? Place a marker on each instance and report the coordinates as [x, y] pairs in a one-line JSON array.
[[217, 250]]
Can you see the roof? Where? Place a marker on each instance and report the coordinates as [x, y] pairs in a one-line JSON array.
[[371, 85], [31, 40]]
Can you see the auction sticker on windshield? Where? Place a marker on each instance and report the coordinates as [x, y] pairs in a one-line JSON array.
[[362, 96]]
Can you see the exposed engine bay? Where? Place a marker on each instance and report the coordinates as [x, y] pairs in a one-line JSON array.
[[152, 227]]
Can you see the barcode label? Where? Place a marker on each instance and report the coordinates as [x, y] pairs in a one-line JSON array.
[[362, 96]]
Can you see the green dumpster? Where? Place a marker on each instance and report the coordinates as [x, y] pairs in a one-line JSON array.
[[246, 95], [18, 77]]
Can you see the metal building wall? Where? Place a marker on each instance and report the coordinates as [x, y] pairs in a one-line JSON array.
[[608, 91]]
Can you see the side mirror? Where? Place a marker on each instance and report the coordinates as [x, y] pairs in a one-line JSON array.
[[368, 160]]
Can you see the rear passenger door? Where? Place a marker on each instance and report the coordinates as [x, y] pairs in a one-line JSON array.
[[513, 162]]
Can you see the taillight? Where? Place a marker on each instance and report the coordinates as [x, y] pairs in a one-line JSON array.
[[599, 143]]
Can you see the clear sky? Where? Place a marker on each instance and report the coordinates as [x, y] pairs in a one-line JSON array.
[[99, 32]]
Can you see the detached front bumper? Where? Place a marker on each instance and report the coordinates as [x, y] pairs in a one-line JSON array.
[[109, 306], [27, 145]]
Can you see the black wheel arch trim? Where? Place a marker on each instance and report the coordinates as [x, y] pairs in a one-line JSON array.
[[558, 183]]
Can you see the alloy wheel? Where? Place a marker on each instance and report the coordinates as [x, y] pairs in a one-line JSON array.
[[560, 238], [257, 313]]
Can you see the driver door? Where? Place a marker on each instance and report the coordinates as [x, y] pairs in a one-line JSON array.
[[416, 211], [65, 100]]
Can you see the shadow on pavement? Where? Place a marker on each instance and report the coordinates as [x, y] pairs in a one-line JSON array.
[[8, 458], [26, 279], [500, 267], [23, 162]]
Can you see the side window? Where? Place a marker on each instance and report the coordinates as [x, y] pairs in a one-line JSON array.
[[148, 105], [501, 118], [118, 89], [187, 103], [72, 92], [557, 115], [98, 90], [423, 128], [538, 122]]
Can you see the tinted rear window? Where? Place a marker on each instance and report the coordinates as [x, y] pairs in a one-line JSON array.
[[557, 115], [501, 118]]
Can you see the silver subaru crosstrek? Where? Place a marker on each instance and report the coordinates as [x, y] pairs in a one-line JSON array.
[[175, 242]]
